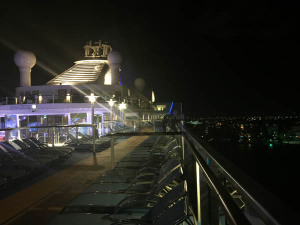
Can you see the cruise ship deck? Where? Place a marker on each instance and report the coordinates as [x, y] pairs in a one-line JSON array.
[[38, 202], [85, 149]]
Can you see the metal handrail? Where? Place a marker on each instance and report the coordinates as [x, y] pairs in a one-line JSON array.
[[260, 200], [234, 214], [50, 126]]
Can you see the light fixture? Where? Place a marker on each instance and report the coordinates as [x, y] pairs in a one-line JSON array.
[[122, 106], [33, 108], [68, 98], [92, 99], [111, 103], [40, 98]]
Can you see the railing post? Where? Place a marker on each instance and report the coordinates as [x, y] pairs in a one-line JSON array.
[[52, 136], [100, 129], [182, 146], [76, 133], [57, 135], [207, 205], [26, 133], [94, 144], [112, 152], [198, 193], [45, 140], [7, 135]]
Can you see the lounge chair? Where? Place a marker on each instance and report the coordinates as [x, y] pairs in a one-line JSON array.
[[63, 153], [80, 144], [12, 174], [20, 155], [32, 152], [140, 184], [172, 209], [9, 160], [105, 203], [67, 149]]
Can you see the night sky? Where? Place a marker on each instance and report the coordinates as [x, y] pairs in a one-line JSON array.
[[218, 59]]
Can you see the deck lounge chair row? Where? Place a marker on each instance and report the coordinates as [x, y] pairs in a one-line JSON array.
[[85, 143], [145, 187], [20, 159]]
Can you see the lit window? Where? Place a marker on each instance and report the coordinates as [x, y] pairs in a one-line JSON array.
[[107, 78]]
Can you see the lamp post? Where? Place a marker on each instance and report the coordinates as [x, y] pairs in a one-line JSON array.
[[92, 99], [111, 103], [121, 107]]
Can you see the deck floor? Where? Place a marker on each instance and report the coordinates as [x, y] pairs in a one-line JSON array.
[[41, 201]]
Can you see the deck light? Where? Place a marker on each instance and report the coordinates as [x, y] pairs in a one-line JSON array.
[[33, 107], [68, 98], [40, 98], [92, 99], [121, 107], [111, 103]]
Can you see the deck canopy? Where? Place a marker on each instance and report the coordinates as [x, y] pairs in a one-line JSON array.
[[84, 71]]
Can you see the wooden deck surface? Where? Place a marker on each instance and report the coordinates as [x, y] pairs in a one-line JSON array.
[[37, 204]]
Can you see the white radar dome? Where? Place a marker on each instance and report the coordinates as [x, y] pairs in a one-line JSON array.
[[114, 57], [24, 59]]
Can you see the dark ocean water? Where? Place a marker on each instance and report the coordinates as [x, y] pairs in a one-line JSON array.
[[276, 167]]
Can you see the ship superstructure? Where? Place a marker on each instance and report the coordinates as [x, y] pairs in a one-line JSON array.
[[63, 100]]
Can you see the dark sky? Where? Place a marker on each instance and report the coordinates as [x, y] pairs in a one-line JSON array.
[[218, 59]]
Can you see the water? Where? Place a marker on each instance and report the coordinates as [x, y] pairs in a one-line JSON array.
[[274, 167]]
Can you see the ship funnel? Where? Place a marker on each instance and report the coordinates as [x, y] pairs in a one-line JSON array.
[[25, 61], [114, 60]]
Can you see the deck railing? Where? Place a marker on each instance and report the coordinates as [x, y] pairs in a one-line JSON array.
[[256, 203], [220, 192]]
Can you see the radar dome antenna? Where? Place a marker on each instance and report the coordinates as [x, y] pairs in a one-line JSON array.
[[114, 60], [25, 60]]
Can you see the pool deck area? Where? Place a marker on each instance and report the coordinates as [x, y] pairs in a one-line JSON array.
[[44, 199]]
